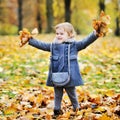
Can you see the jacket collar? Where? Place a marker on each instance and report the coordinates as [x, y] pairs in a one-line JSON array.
[[66, 41]]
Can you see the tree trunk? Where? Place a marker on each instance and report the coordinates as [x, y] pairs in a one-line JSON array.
[[102, 5], [117, 30], [38, 17], [20, 14], [4, 12], [67, 10], [49, 15]]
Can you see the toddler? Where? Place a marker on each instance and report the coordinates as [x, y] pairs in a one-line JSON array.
[[65, 35]]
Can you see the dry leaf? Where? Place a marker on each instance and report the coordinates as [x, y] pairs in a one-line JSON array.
[[104, 117], [34, 31], [101, 25], [10, 110], [25, 35]]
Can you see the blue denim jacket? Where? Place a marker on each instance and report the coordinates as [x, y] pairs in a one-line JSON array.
[[60, 54]]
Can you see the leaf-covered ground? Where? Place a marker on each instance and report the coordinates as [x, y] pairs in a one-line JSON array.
[[23, 73]]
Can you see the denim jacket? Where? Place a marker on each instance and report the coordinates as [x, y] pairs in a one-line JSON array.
[[60, 55]]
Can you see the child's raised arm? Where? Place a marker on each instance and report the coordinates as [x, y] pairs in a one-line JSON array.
[[100, 30], [82, 44], [26, 37], [39, 44]]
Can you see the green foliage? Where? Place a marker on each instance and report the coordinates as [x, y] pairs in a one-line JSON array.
[[8, 29], [82, 14]]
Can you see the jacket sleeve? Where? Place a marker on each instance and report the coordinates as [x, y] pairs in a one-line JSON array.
[[82, 44], [40, 45]]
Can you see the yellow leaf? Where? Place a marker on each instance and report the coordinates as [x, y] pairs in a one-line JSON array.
[[39, 98], [10, 110], [86, 69], [95, 98], [64, 116], [110, 93], [104, 117], [100, 109], [24, 82]]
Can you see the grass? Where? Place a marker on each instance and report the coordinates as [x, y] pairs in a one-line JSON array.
[[23, 74], [99, 63]]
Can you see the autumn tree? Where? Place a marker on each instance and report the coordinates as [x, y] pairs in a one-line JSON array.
[[38, 17], [49, 15], [4, 12], [20, 2], [67, 10], [102, 5], [117, 20]]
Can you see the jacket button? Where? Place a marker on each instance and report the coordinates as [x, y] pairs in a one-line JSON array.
[[66, 49]]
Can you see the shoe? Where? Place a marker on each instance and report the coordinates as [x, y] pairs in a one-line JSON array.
[[76, 109], [58, 112]]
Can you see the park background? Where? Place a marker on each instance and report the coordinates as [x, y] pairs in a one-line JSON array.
[[44, 14], [23, 71]]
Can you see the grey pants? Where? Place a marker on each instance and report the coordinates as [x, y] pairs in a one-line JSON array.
[[58, 93]]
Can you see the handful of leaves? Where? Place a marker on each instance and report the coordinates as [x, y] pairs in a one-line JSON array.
[[101, 25], [25, 35]]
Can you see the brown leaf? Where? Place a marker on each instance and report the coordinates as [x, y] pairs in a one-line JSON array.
[[101, 25]]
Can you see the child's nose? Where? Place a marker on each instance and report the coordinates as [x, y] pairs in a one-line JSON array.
[[59, 35]]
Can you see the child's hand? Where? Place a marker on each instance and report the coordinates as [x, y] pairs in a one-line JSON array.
[[25, 35], [101, 25]]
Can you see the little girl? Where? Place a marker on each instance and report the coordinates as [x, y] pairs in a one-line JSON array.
[[65, 35]]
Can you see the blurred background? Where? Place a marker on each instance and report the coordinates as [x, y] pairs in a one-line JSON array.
[[44, 14]]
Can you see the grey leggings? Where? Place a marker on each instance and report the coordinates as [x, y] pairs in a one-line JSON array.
[[71, 91]]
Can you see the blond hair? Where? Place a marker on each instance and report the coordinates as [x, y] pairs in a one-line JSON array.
[[68, 27]]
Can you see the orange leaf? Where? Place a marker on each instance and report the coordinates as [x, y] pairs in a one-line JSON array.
[[104, 117], [10, 110]]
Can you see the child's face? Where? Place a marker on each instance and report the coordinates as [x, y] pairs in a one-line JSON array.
[[61, 35]]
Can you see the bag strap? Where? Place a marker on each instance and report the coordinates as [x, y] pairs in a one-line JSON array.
[[51, 49], [69, 59]]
